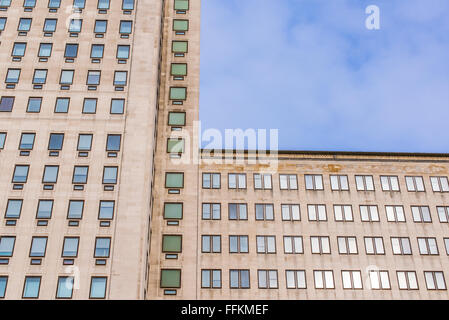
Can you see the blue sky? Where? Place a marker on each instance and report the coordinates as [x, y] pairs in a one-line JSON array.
[[311, 69]]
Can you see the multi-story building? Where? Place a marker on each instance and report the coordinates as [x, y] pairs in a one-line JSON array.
[[105, 194]]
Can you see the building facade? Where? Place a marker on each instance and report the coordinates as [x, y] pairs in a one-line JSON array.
[[106, 194]]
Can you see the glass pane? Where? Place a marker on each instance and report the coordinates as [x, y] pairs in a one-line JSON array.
[[102, 246], [7, 246], [34, 105], [56, 140], [62, 105], [170, 278], [106, 210], [3, 283], [110, 175], [205, 279], [181, 4], [178, 93], [70, 247], [84, 142], [176, 118], [31, 289], [44, 209], [98, 288], [113, 142], [180, 25], [65, 287], [117, 106], [173, 210], [179, 46], [174, 180], [50, 174], [38, 247], [179, 69], [171, 243], [97, 51], [20, 174], [75, 209]]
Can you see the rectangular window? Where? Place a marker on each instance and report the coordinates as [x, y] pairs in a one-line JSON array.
[[324, 279], [173, 210], [18, 49], [293, 245], [170, 278], [2, 140], [65, 287], [103, 4], [6, 104], [70, 247], [102, 247], [120, 78], [38, 247], [401, 246], [29, 3], [176, 118], [211, 180], [62, 105], [268, 279], [364, 183], [175, 146], [128, 4], [75, 210], [84, 142], [50, 174], [40, 76], [178, 70], [238, 244], [113, 142], [181, 4], [13, 209], [238, 211], [421, 214], [180, 25], [239, 279], [296, 279], [343, 213], [171, 244], [395, 213], [435, 280], [54, 4], [123, 52], [262, 181], [374, 245], [3, 284], [178, 93], [439, 184], [50, 25], [179, 48], [24, 24], [106, 210], [352, 279], [20, 174], [290, 212], [264, 212], [7, 246], [415, 184], [2, 22], [320, 245], [407, 280], [12, 76], [80, 4], [31, 287], [339, 183], [71, 50], [314, 182], [389, 183], [27, 141], [317, 212], [428, 246], [96, 51], [45, 50], [379, 280], [443, 214], [56, 141], [110, 175], [44, 209], [66, 77], [288, 182], [347, 245], [446, 244], [211, 211], [100, 26], [98, 288], [266, 244], [75, 25], [117, 106], [34, 104], [237, 181], [93, 77], [126, 27], [210, 278], [80, 174], [174, 180], [211, 244], [369, 214]]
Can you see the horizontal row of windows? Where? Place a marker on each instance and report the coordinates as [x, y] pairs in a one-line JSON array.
[[81, 4], [263, 181], [296, 279], [61, 105], [64, 289]]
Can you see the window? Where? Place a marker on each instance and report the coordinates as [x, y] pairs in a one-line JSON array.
[[75, 25], [343, 213], [238, 244], [211, 211], [171, 243], [178, 93], [50, 174], [439, 184], [339, 183], [296, 279], [179, 48], [45, 50], [395, 213], [369, 213], [446, 244], [120, 78], [27, 141], [38, 247], [288, 182], [323, 279], [106, 210], [173, 210], [102, 247], [210, 278], [24, 24], [352, 279], [84, 142], [320, 245], [239, 279], [428, 246], [401, 246], [347, 245], [44, 209], [407, 280], [268, 279], [70, 247], [54, 3], [65, 288], [414, 183], [3, 284], [364, 183], [90, 105], [50, 25], [127, 4], [443, 214], [2, 23], [6, 104], [266, 244], [178, 70], [211, 180], [374, 245], [80, 174], [2, 140], [34, 104], [264, 212], [13, 209], [122, 52], [237, 181], [180, 26], [126, 27], [421, 214], [113, 142], [174, 180], [117, 106], [238, 211], [389, 183], [75, 210], [93, 77], [435, 280], [262, 181], [379, 280], [31, 287], [211, 244], [40, 76], [12, 76], [100, 26], [71, 50], [79, 3], [314, 182], [18, 49], [175, 146], [170, 278], [98, 288], [20, 174], [7, 246], [29, 3], [103, 4], [317, 212], [181, 4], [96, 51], [62, 105], [290, 212], [56, 141], [293, 244], [66, 77]]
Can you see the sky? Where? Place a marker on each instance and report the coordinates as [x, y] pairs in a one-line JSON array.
[[312, 70]]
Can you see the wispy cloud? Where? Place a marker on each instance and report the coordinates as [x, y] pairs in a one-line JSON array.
[[312, 69]]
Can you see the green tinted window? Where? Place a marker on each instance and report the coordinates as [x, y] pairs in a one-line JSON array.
[[173, 210], [174, 180], [170, 278], [179, 46], [171, 243], [178, 93], [181, 4], [180, 25], [176, 118], [175, 146], [179, 69]]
